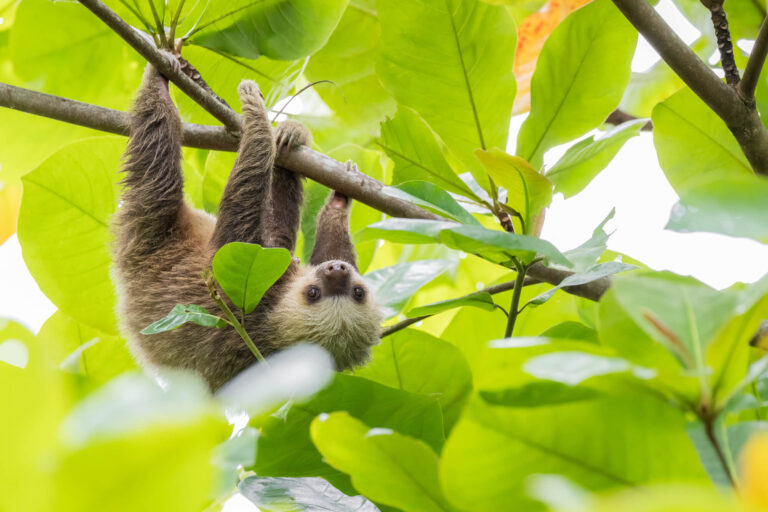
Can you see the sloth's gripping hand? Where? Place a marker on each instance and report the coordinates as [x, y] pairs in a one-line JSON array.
[[290, 135]]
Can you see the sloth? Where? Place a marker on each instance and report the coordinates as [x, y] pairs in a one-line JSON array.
[[163, 245]]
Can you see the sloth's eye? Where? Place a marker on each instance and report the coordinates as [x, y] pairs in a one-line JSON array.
[[358, 293], [313, 293]]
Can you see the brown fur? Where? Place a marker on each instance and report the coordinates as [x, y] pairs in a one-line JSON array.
[[163, 245]]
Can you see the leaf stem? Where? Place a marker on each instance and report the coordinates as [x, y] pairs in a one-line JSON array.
[[209, 281], [160, 27], [709, 427], [517, 291]]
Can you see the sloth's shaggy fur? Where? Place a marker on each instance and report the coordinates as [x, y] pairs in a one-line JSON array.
[[163, 245]]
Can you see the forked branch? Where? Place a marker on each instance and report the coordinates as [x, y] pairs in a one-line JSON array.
[[755, 63]]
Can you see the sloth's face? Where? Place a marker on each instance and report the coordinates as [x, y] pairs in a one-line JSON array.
[[329, 304]]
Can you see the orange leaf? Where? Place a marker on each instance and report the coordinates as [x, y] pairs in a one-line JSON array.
[[531, 34], [10, 199], [754, 460]]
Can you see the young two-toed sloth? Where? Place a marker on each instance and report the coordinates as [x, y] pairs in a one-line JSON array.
[[163, 246]]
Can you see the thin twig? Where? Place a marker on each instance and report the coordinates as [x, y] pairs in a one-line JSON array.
[[709, 427], [239, 327], [492, 290], [724, 43], [755, 63], [226, 115]]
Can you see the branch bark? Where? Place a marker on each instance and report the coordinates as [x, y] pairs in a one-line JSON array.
[[304, 161], [135, 39], [724, 43], [755, 63], [741, 117]]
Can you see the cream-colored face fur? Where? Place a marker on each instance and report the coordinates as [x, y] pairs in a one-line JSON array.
[[344, 326]]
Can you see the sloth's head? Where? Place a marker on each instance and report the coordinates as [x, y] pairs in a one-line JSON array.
[[329, 304]]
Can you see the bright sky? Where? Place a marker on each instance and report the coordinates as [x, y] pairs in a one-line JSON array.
[[633, 183]]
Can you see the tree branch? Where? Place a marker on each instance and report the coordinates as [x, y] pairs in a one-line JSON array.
[[755, 63], [135, 39], [493, 290], [741, 117], [619, 116], [304, 161]]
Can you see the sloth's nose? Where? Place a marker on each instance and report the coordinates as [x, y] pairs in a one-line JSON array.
[[335, 276]]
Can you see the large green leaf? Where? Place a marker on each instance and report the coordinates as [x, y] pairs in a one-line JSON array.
[[496, 245], [576, 85], [394, 286], [685, 130], [223, 73], [610, 442], [246, 271], [733, 205], [528, 192], [386, 466], [278, 29], [84, 351], [431, 197], [418, 153], [358, 99], [420, 363], [53, 46], [451, 61], [585, 159], [300, 495], [64, 228], [285, 449]]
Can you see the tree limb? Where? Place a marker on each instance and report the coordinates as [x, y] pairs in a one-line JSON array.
[[740, 116], [304, 161], [755, 63], [135, 39], [619, 116]]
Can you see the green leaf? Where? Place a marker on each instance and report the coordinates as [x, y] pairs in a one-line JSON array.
[[679, 313], [246, 271], [433, 198], [585, 159], [285, 448], [683, 126], [95, 356], [586, 255], [575, 86], [358, 99], [51, 48], [386, 466], [591, 274], [571, 331], [223, 73], [300, 495], [282, 30], [731, 205], [452, 62], [419, 153], [528, 192], [181, 314], [415, 361], [404, 231], [482, 300], [500, 244], [395, 285], [64, 228], [496, 245], [492, 450]]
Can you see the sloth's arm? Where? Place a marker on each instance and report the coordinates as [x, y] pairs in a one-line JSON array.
[[243, 207], [154, 185], [332, 239], [287, 189]]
